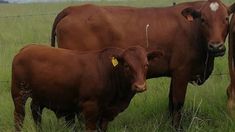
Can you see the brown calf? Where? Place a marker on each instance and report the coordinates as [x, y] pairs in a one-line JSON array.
[[98, 84]]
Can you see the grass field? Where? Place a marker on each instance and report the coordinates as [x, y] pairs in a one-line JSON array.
[[205, 106]]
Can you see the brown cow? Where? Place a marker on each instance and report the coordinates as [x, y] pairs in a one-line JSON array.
[[231, 57], [69, 82], [190, 34]]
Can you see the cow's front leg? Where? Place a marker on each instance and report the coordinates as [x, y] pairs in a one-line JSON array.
[[177, 93], [103, 124]]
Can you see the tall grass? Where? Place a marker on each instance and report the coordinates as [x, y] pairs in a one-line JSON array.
[[205, 106]]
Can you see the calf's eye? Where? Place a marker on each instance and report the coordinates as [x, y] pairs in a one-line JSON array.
[[126, 66]]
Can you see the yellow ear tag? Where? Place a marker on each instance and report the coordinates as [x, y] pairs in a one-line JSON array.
[[114, 61]]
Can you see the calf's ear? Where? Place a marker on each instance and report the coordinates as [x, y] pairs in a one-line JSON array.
[[231, 9], [154, 54], [190, 14]]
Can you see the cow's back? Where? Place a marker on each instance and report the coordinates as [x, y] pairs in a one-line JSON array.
[[90, 27]]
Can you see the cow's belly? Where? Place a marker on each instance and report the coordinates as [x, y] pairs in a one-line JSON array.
[[158, 68]]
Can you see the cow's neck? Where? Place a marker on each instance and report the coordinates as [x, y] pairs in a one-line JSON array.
[[204, 59]]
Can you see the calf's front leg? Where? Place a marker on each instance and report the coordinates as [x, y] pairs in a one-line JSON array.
[[91, 112]]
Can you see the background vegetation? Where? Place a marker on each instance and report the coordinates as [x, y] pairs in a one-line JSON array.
[[205, 106]]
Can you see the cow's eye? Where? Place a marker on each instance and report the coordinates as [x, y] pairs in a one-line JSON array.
[[227, 18], [202, 20]]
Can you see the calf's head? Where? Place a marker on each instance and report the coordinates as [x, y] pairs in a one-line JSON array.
[[213, 19], [134, 62]]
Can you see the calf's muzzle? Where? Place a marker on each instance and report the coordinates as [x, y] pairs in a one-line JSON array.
[[139, 87]]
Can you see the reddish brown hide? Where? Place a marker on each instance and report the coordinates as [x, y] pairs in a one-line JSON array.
[[231, 57], [98, 84], [190, 34]]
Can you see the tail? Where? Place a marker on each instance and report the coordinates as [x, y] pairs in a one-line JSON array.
[[231, 54], [58, 18]]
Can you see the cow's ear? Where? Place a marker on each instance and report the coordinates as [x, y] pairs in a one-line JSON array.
[[190, 14], [154, 54], [231, 9]]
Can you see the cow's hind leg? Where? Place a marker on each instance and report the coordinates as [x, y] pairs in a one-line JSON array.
[[36, 113], [70, 120], [177, 93], [19, 96]]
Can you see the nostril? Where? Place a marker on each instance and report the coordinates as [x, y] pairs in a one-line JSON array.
[[220, 47], [211, 46]]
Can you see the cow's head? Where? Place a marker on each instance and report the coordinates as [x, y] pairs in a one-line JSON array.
[[134, 62], [213, 19]]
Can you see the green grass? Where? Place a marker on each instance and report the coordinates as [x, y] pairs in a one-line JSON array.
[[205, 106]]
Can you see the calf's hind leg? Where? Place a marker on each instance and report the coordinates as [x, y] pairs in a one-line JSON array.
[[70, 120], [36, 112], [19, 97]]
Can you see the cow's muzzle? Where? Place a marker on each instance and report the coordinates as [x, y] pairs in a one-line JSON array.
[[139, 87], [216, 49]]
